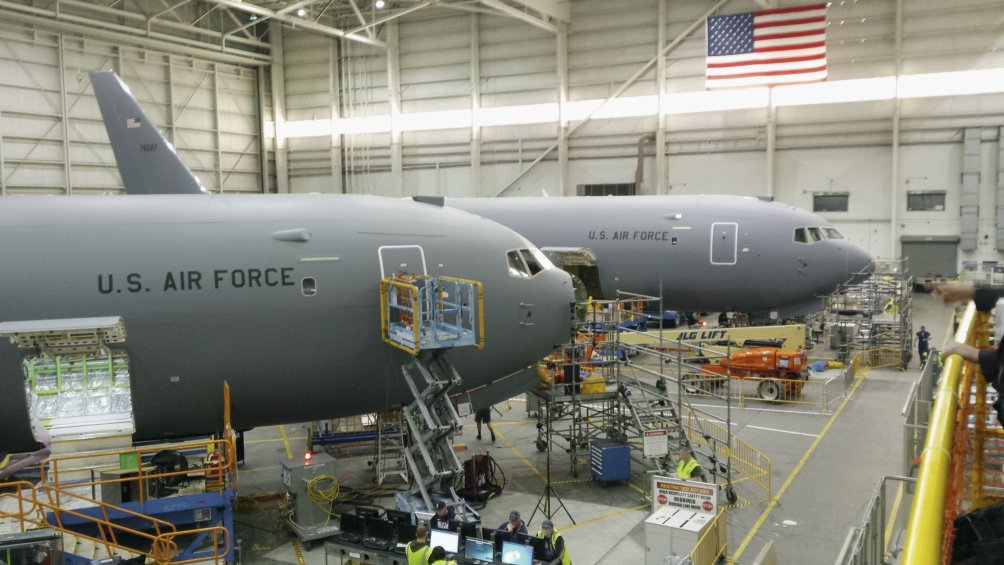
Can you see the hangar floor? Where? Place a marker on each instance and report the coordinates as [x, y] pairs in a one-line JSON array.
[[824, 469]]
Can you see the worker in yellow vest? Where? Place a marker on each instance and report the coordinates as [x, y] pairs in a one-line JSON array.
[[689, 468], [418, 551], [554, 544], [438, 557]]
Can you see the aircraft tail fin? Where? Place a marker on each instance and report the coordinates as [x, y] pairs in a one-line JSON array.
[[147, 162]]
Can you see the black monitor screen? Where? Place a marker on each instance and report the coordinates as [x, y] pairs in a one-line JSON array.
[[538, 546], [351, 524], [479, 549], [398, 515], [454, 526], [470, 530], [367, 512], [503, 536], [405, 532], [379, 529]]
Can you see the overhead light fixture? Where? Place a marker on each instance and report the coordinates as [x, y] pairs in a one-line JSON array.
[[301, 12], [253, 18], [380, 4]]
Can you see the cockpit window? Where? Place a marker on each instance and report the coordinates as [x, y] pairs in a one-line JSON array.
[[832, 233], [800, 236], [531, 262], [815, 234], [526, 263], [517, 268]]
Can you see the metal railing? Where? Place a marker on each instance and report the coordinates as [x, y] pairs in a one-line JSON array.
[[925, 536], [868, 543], [714, 543], [748, 464]]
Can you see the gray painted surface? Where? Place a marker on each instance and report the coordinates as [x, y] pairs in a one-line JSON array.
[[209, 293]]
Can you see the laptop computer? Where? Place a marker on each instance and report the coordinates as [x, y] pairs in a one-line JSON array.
[[379, 534], [350, 528]]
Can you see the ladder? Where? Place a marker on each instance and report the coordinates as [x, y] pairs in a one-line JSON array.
[[391, 447], [431, 420], [649, 408]]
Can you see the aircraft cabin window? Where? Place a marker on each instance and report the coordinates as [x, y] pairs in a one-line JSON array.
[[308, 286], [516, 266], [833, 233], [800, 236]]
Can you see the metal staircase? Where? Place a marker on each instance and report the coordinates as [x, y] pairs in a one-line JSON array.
[[391, 447], [646, 408]]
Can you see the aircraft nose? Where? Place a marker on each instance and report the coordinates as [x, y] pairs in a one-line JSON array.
[[860, 264], [558, 298]]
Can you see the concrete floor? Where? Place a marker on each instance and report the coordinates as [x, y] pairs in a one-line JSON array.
[[824, 469]]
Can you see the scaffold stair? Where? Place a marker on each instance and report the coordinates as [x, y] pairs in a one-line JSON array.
[[431, 420], [391, 447], [650, 408]]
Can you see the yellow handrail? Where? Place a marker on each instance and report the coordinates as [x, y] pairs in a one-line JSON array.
[[924, 529]]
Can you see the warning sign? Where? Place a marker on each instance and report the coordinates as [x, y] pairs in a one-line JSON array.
[[689, 495], [656, 443]]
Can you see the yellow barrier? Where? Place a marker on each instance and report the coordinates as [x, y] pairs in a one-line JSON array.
[[714, 543], [924, 534], [747, 463]]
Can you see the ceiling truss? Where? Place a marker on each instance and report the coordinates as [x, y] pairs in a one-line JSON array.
[[236, 31]]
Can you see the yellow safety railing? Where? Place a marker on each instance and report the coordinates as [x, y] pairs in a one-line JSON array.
[[748, 464], [28, 511], [713, 543], [925, 529]]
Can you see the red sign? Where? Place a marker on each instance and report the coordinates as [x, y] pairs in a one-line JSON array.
[[662, 499], [707, 506]]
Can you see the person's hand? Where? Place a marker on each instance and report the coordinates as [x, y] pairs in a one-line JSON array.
[[953, 292], [510, 526], [966, 351]]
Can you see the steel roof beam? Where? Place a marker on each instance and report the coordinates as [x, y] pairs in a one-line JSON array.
[[508, 10], [298, 22]]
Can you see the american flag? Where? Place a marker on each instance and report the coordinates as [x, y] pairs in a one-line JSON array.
[[767, 47], [133, 123]]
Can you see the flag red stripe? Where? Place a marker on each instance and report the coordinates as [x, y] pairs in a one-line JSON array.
[[790, 22], [790, 10], [769, 73], [767, 36], [767, 61], [789, 47]]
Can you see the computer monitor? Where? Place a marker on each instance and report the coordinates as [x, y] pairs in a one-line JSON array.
[[450, 541], [487, 533], [454, 526], [516, 554], [398, 515], [351, 524], [405, 532], [423, 516], [377, 528], [469, 529], [367, 511], [539, 546], [481, 550]]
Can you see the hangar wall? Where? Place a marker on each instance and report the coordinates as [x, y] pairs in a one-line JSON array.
[[459, 61]]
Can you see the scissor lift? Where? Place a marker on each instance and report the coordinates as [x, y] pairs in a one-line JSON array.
[[424, 316]]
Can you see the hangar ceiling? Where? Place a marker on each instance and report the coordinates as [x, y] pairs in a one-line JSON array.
[[235, 31]]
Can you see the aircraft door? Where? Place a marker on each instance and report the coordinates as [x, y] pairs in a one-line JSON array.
[[724, 243], [402, 258]]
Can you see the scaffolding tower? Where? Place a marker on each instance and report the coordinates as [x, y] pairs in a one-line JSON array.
[[874, 316]]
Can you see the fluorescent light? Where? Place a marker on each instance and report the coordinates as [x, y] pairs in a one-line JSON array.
[[714, 100], [514, 115], [380, 4], [959, 83], [301, 12], [447, 119], [856, 90]]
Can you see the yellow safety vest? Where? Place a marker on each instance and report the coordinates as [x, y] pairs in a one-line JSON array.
[[555, 536], [419, 556], [685, 468]]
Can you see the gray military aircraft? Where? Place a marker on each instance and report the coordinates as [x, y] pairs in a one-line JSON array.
[[277, 294], [707, 253], [704, 252]]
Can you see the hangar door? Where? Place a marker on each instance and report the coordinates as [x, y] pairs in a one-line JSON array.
[[932, 256]]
